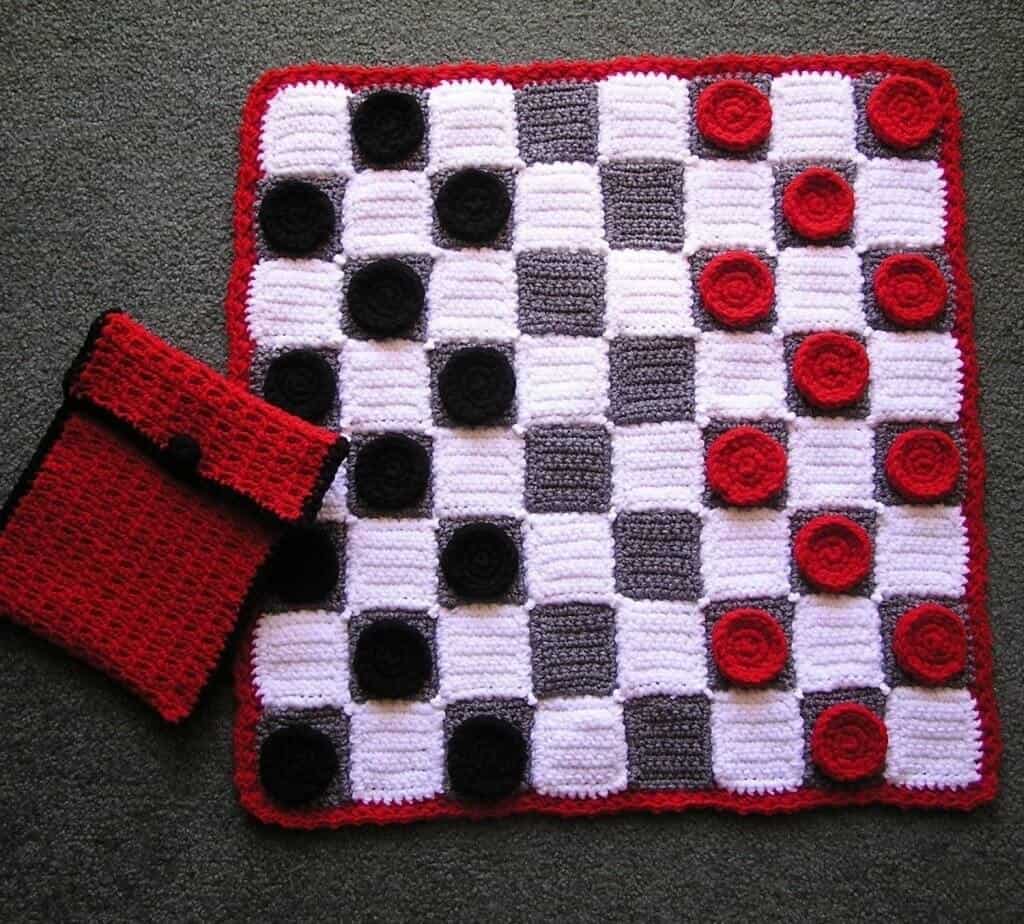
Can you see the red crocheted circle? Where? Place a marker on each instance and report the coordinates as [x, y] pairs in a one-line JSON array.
[[910, 289], [833, 553], [737, 288], [830, 370], [923, 464], [746, 466], [749, 646], [930, 643], [734, 115], [904, 112], [818, 204], [849, 742]]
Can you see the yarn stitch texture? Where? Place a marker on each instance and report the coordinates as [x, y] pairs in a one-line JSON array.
[[652, 641]]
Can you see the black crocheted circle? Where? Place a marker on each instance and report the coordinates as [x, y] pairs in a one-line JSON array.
[[391, 472], [388, 126], [473, 206], [480, 561], [300, 382], [296, 218], [303, 567], [477, 385], [486, 758], [183, 453], [392, 660], [385, 298], [297, 764]]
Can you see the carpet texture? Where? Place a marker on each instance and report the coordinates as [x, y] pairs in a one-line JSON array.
[[118, 152]]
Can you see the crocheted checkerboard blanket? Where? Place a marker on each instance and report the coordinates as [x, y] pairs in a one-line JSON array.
[[666, 475]]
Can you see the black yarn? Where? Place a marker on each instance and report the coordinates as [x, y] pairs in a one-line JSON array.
[[391, 472], [296, 217], [297, 764], [392, 660], [183, 453], [480, 561], [477, 385], [473, 205], [486, 758], [388, 127], [385, 298], [302, 383], [303, 567]]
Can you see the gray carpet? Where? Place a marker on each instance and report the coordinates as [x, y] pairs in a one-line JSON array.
[[118, 154]]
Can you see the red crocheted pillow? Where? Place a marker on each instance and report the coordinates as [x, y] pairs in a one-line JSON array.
[[137, 531]]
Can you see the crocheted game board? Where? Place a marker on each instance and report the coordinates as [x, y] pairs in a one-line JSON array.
[[666, 477]]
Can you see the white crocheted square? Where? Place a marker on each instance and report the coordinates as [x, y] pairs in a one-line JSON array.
[[831, 462], [569, 557], [391, 563], [484, 652], [813, 117], [300, 660], [915, 376], [837, 643], [579, 747], [745, 553], [387, 212], [294, 303], [384, 383], [643, 117], [729, 204], [921, 550], [740, 375], [900, 203], [562, 379], [648, 294], [306, 131], [472, 123], [658, 466], [472, 294], [661, 648], [819, 288], [335, 502], [934, 738], [757, 740], [478, 472], [396, 752], [559, 205]]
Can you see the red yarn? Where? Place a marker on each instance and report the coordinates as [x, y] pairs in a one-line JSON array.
[[830, 370], [737, 289], [849, 743], [930, 643], [818, 204], [734, 115], [910, 289], [833, 553], [746, 466], [904, 112], [923, 464], [749, 646]]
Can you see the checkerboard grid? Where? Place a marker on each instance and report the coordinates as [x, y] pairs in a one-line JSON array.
[[844, 311]]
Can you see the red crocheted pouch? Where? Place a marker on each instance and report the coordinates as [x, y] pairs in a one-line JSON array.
[[137, 532]]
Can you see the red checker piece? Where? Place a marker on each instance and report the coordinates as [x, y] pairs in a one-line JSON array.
[[737, 288], [746, 466], [849, 742], [904, 112], [910, 289], [830, 370], [923, 464], [930, 643], [734, 114], [749, 646], [818, 204], [833, 553]]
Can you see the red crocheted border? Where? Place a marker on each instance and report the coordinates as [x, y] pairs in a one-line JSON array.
[[240, 353]]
